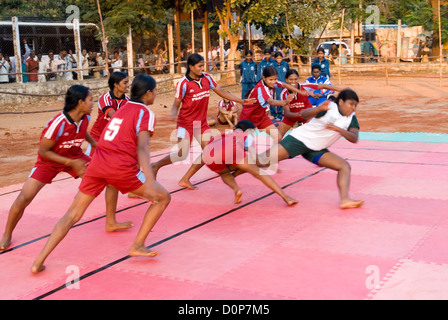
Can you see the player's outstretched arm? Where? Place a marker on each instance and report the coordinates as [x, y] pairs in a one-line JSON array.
[[228, 96], [312, 112]]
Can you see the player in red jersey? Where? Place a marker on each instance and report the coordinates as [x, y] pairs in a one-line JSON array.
[[263, 94], [228, 155], [59, 151], [193, 93], [228, 113], [293, 110], [122, 149], [108, 104]]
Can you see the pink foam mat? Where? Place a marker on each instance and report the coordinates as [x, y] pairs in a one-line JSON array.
[[260, 249]]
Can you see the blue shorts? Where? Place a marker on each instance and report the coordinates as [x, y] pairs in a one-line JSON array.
[[296, 148]]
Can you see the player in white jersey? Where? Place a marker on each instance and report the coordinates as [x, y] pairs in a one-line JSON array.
[[329, 122]]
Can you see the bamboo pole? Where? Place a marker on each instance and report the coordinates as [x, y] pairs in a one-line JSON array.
[[340, 45], [192, 31], [104, 39], [440, 46]]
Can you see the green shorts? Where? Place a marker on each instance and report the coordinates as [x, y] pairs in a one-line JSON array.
[[296, 148]]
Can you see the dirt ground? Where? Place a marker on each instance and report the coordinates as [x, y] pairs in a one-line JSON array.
[[407, 103]]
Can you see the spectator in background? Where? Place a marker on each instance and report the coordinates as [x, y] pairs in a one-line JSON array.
[[116, 62], [32, 66], [357, 50], [282, 68], [102, 64], [124, 58], [317, 97], [24, 71], [65, 64], [51, 66], [248, 70], [324, 63], [27, 49], [12, 68], [93, 62], [84, 63], [266, 62], [41, 71], [161, 60], [334, 53], [343, 54], [4, 69]]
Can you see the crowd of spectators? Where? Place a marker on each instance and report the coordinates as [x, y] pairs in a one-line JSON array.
[[53, 66]]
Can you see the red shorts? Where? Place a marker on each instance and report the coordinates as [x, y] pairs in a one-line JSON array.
[[94, 185], [260, 121], [46, 173], [222, 158]]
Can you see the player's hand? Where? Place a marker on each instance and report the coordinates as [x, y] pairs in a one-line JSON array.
[[289, 98], [325, 106], [332, 127], [79, 165]]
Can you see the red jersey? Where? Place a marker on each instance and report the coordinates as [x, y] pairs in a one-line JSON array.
[[116, 152], [297, 104], [68, 137], [227, 106], [262, 93], [228, 149], [106, 102], [195, 97]]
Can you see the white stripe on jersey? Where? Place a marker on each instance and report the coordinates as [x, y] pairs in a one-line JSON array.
[[53, 126], [178, 88], [106, 98], [152, 120]]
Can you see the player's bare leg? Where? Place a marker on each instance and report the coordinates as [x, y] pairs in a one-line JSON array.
[[112, 224], [26, 195], [182, 153], [333, 161], [228, 178], [160, 199], [195, 167], [267, 180], [62, 227]]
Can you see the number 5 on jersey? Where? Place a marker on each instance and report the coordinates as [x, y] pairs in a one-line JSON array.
[[112, 129]]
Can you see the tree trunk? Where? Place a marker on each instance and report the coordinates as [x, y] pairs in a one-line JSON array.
[[435, 32], [231, 57]]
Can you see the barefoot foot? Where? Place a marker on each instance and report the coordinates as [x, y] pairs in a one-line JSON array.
[[350, 204], [111, 227], [37, 267], [185, 183], [238, 196], [5, 243], [290, 201], [142, 252]]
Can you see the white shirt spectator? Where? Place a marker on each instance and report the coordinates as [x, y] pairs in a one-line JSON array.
[[116, 65], [4, 68]]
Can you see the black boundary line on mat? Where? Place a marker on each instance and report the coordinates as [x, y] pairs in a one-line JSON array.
[[107, 266], [98, 218], [66, 178]]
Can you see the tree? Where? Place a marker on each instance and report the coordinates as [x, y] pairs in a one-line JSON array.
[[279, 20]]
